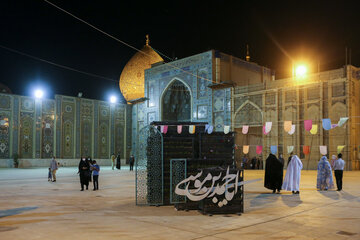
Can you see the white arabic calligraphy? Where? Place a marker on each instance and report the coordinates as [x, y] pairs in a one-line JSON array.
[[201, 192]]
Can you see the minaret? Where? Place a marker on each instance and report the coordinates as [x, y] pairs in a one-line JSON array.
[[147, 40], [247, 53]]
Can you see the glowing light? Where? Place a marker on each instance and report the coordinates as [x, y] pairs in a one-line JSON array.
[[39, 93], [113, 99], [301, 71]]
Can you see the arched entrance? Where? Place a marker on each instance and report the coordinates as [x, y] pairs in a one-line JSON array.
[[176, 102]]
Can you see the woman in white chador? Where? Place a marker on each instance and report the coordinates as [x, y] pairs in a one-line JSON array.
[[293, 173]]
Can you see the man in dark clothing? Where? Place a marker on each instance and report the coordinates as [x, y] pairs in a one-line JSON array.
[[273, 173], [253, 163], [131, 162], [84, 168], [118, 162]]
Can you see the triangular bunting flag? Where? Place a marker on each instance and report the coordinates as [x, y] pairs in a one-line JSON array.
[[226, 129], [179, 129], [273, 149], [326, 122], [192, 129], [334, 125], [268, 126], [342, 121], [323, 150], [314, 129], [264, 131], [306, 150], [259, 149], [287, 126], [340, 148], [292, 130], [290, 149], [245, 129], [210, 129], [246, 149], [165, 129], [162, 128], [308, 125]]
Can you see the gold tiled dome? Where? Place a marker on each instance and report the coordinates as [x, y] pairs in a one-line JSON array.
[[132, 76]]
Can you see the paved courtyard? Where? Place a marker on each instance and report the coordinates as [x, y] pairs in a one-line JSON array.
[[33, 208]]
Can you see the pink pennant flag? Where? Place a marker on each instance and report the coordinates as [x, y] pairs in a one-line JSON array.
[[165, 129], [308, 125], [245, 129], [259, 149], [179, 129]]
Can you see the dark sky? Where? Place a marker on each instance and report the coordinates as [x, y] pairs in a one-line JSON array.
[[278, 33]]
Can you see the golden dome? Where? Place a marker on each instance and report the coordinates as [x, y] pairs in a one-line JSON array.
[[132, 76]]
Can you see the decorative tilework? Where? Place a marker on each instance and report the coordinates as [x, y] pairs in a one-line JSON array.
[[15, 125], [5, 119], [202, 112]]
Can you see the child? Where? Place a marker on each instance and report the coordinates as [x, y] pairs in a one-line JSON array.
[[49, 175], [95, 171]]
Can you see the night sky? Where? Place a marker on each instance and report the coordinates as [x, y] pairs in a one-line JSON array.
[[278, 33]]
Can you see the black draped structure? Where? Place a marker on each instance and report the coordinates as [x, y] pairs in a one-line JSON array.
[[273, 173]]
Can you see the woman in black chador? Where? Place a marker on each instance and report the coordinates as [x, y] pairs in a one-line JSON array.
[[84, 170], [274, 173], [118, 162]]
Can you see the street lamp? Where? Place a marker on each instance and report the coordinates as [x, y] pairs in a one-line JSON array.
[[39, 93], [301, 71], [113, 99]]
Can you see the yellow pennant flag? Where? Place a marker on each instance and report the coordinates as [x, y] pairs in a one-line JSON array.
[[340, 148], [287, 126], [314, 129], [191, 129]]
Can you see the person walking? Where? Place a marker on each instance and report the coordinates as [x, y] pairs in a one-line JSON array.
[[84, 173], [324, 175], [293, 174], [53, 167], [95, 170], [113, 161], [131, 162], [338, 170], [274, 173], [118, 162]]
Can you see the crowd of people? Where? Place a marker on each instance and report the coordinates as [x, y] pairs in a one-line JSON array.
[[88, 170], [253, 163], [274, 173]]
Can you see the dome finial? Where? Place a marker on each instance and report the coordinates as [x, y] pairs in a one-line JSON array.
[[147, 40], [247, 53]]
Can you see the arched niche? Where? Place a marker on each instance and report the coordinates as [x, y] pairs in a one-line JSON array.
[[176, 102]]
